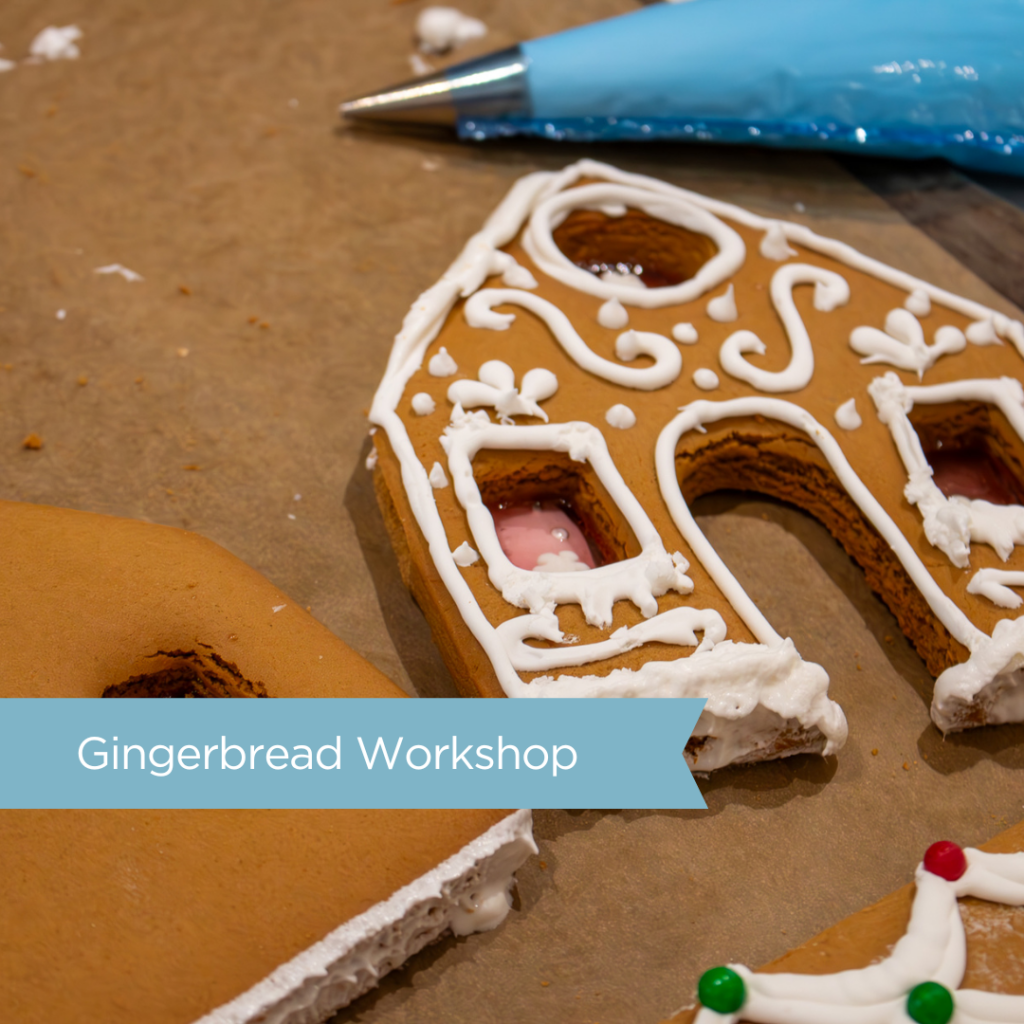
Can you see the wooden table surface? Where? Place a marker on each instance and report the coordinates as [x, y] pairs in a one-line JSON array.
[[197, 144]]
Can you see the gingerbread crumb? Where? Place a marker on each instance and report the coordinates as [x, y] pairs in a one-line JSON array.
[[906, 766], [874, 751], [253, 319], [33, 442], [82, 380], [264, 324], [184, 289]]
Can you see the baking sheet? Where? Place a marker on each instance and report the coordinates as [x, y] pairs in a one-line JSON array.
[[197, 145]]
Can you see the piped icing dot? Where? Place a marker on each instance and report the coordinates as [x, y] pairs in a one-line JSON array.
[[442, 364], [773, 245], [685, 334], [722, 308], [422, 404], [847, 416], [437, 476], [464, 555], [613, 315], [946, 860], [918, 302], [721, 989], [930, 1003], [543, 537], [705, 379], [620, 416]]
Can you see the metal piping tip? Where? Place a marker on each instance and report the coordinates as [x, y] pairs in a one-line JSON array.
[[491, 85]]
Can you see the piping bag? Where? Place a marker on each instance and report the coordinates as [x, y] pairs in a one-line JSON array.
[[898, 78]]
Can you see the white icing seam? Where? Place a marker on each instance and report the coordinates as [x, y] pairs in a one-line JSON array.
[[933, 948], [479, 312], [351, 960], [951, 524], [830, 291], [694, 415]]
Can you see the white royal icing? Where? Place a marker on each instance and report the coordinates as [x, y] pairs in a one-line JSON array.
[[422, 404], [496, 387], [613, 315], [994, 584], [830, 291], [705, 379], [773, 246], [847, 416], [442, 365], [722, 308], [933, 948], [437, 478], [777, 686], [685, 334], [902, 343], [465, 556], [951, 524], [621, 417], [918, 302]]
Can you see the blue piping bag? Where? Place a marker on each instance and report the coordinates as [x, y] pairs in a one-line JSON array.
[[895, 78]]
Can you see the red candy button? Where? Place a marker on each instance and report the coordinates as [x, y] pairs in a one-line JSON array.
[[946, 860]]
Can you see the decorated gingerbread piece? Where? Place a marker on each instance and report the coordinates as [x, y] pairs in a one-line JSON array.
[[610, 347], [957, 960]]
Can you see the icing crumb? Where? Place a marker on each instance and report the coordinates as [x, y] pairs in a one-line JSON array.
[[117, 268], [419, 66], [685, 334], [442, 364], [371, 460], [439, 29], [422, 404], [799, 207], [57, 43], [291, 515], [918, 303], [464, 555], [6, 65], [613, 315], [620, 416], [722, 308], [61, 314], [277, 607], [706, 380], [847, 416], [437, 477]]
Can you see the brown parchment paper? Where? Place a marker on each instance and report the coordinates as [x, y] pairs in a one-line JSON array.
[[197, 144]]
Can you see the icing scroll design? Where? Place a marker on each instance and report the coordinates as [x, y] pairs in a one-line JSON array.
[[668, 363], [902, 343], [951, 524], [830, 291], [676, 207]]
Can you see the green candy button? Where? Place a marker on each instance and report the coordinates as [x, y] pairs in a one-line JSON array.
[[723, 991], [930, 1003]]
